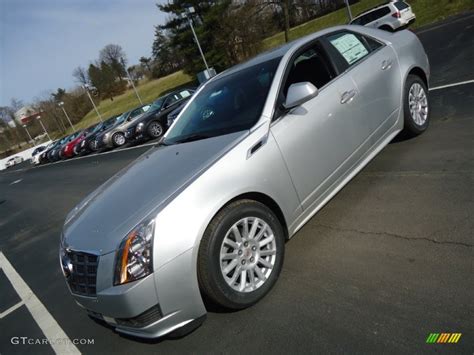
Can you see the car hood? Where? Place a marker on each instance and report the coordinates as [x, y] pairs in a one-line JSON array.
[[142, 189]]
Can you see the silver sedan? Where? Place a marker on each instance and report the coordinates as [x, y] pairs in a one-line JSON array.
[[251, 158]]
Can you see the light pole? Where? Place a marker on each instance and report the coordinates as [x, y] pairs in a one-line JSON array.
[[349, 13], [42, 125], [190, 10], [61, 104], [131, 81], [86, 87], [29, 135]]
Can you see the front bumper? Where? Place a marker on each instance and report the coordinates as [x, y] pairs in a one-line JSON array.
[[151, 307]]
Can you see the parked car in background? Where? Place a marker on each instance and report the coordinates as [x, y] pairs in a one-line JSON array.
[[67, 150], [44, 156], [115, 136], [90, 143], [173, 114], [55, 153], [257, 152], [35, 156], [13, 161], [154, 123], [390, 17]]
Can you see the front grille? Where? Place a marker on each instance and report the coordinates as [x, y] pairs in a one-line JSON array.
[[142, 320], [82, 280]]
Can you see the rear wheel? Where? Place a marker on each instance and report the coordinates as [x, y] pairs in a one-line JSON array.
[[241, 254], [118, 139], [155, 129], [416, 106]]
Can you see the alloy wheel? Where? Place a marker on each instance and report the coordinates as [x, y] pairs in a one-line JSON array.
[[119, 139], [418, 104], [248, 254], [156, 130]]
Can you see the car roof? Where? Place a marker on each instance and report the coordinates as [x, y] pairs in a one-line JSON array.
[[371, 9]]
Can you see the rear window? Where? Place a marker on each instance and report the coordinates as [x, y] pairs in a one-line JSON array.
[[400, 5]]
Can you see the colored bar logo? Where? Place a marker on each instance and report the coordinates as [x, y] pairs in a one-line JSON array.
[[443, 338]]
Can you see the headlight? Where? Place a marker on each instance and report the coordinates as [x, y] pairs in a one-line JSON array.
[[140, 126], [133, 259]]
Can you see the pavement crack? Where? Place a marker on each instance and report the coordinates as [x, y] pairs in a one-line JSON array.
[[393, 235]]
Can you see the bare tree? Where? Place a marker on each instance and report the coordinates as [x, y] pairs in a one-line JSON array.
[[111, 53], [114, 55], [80, 74], [16, 104]]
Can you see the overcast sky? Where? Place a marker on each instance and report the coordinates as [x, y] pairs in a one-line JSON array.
[[42, 41]]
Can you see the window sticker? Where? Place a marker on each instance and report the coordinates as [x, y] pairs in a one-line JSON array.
[[350, 47], [185, 93]]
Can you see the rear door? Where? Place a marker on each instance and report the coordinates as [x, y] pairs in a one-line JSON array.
[[376, 74]]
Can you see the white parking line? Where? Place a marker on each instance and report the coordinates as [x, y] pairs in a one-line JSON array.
[[451, 85], [59, 341], [16, 182], [11, 309]]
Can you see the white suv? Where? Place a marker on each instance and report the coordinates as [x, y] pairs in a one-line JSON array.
[[390, 17]]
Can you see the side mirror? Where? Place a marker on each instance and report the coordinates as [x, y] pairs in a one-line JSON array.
[[299, 93]]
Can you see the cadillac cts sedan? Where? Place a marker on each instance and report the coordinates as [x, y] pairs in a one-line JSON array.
[[256, 152]]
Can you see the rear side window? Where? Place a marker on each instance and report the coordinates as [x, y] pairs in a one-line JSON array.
[[400, 5], [353, 46], [349, 46], [363, 19], [381, 12]]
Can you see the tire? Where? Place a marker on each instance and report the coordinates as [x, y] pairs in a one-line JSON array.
[[416, 107], [213, 252], [118, 139], [155, 130]]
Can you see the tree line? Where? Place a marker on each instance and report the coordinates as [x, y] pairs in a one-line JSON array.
[[229, 31]]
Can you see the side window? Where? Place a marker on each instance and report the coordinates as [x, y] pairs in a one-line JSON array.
[[382, 12], [353, 47], [371, 43], [311, 65], [171, 100], [136, 112], [365, 19]]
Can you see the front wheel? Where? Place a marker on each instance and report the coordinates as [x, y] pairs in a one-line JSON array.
[[155, 130], [416, 106], [241, 254]]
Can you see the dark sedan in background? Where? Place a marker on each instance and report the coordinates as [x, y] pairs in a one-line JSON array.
[[154, 123]]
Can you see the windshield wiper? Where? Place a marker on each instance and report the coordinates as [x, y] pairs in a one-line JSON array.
[[190, 138]]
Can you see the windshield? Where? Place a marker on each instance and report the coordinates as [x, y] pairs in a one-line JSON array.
[[229, 104]]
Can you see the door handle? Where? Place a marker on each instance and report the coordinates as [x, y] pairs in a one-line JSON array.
[[348, 96], [386, 64]]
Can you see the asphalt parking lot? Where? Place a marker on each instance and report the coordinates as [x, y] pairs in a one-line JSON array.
[[386, 262]]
